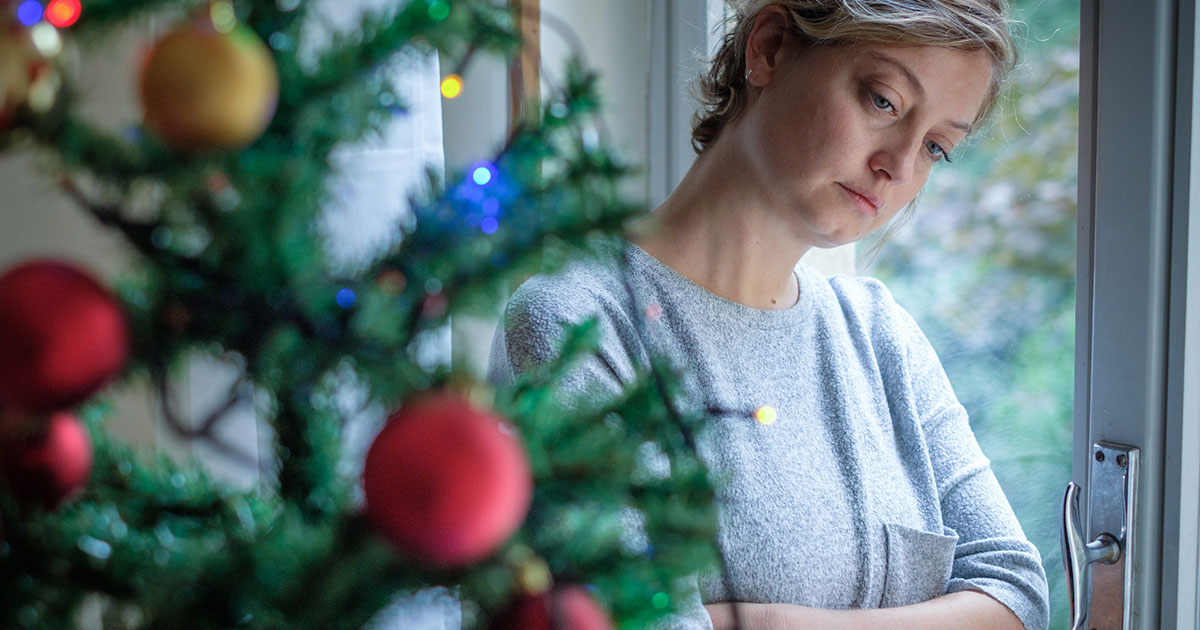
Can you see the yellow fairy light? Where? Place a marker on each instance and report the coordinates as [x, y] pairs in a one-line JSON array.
[[223, 17], [765, 415], [451, 85]]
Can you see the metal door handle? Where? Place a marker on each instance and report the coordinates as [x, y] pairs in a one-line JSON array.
[[1105, 563], [1079, 556]]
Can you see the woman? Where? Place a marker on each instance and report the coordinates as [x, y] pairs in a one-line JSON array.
[[867, 502]]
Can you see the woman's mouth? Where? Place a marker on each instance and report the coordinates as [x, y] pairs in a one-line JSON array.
[[867, 203]]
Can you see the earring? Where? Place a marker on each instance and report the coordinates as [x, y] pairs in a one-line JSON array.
[[747, 77]]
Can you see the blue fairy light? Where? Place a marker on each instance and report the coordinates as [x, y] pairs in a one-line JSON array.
[[345, 298], [30, 12], [491, 206], [482, 173], [489, 225]]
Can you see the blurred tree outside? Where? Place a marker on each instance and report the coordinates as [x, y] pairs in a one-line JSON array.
[[986, 265]]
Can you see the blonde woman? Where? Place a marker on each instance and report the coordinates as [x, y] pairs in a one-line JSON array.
[[867, 503]]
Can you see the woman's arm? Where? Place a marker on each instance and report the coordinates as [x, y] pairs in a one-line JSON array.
[[965, 610]]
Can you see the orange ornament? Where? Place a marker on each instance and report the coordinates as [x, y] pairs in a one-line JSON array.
[[204, 88]]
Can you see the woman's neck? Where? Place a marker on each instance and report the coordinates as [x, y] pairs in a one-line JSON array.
[[719, 231]]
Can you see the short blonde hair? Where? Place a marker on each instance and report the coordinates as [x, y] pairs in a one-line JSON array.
[[967, 25]]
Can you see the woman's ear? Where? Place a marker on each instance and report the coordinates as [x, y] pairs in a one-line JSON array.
[[764, 46]]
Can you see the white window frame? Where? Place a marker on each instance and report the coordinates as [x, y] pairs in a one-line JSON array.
[[1138, 309]]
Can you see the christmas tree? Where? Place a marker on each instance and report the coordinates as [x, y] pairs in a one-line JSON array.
[[536, 510]]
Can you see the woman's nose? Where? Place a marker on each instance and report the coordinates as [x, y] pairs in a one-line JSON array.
[[895, 161]]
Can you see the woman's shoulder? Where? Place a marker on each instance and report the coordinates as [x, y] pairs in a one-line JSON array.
[[868, 306], [584, 287], [861, 295]]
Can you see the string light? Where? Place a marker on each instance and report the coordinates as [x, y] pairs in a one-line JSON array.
[[345, 298], [654, 311], [63, 13], [766, 415], [30, 12], [452, 86], [660, 600], [392, 282], [45, 38], [223, 17], [439, 10], [489, 225], [482, 174]]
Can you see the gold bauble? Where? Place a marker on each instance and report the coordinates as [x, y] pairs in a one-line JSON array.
[[203, 89]]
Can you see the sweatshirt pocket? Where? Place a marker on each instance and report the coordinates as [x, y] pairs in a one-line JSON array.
[[918, 564]]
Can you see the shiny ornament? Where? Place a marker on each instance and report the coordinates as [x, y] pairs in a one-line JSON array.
[[52, 467], [204, 87], [564, 608], [446, 481], [28, 75], [62, 336]]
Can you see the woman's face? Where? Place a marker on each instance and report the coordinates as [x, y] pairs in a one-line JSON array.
[[843, 137]]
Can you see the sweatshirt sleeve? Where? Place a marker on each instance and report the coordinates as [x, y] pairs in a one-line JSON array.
[[533, 330], [993, 555]]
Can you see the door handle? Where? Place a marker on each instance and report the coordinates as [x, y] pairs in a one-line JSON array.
[[1103, 565]]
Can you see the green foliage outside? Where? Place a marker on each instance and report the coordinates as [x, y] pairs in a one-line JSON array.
[[986, 264]]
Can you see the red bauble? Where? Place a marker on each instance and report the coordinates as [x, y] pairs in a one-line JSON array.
[[54, 466], [445, 481], [565, 608], [62, 336]]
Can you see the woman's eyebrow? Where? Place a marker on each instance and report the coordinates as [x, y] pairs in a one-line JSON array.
[[904, 70], [912, 79]]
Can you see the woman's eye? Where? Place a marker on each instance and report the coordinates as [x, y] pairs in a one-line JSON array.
[[936, 151], [881, 102]]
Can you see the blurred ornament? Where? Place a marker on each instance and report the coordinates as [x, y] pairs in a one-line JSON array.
[[28, 76], [209, 84], [53, 466], [564, 608], [62, 336], [446, 481]]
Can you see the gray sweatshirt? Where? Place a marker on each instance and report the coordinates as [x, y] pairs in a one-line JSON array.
[[868, 490]]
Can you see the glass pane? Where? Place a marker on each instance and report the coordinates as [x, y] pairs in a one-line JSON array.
[[986, 265]]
